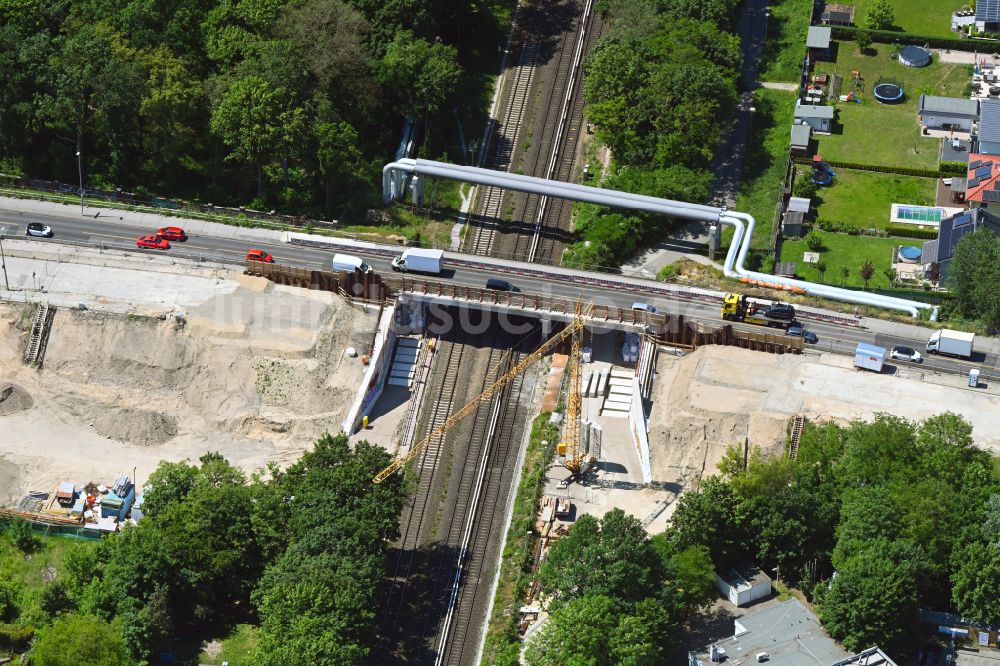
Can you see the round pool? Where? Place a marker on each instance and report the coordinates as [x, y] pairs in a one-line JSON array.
[[914, 56], [910, 254], [822, 177], [889, 93]]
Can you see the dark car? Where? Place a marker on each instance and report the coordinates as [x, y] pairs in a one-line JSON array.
[[38, 229], [497, 284], [798, 331]]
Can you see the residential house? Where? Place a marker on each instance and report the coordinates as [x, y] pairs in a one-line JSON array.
[[801, 135], [937, 253], [834, 14], [818, 42], [988, 139], [988, 16], [818, 117], [947, 113], [982, 182]]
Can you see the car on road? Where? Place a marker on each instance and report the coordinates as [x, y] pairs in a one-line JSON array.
[[497, 284], [259, 255], [152, 242], [38, 229], [901, 353], [645, 307], [798, 331], [172, 233]]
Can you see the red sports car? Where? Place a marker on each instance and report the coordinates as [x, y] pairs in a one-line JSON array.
[[172, 233], [152, 242], [259, 255]]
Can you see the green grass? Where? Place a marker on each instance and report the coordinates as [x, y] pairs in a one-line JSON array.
[[865, 198], [786, 40], [236, 647], [886, 134], [766, 157], [841, 250], [31, 573], [920, 17]]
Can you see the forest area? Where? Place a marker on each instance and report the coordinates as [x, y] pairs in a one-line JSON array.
[[907, 515], [286, 104], [297, 554], [658, 88]]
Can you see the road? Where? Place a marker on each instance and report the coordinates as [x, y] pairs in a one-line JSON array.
[[219, 241]]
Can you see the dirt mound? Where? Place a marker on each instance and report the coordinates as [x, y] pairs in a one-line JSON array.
[[14, 399], [136, 426]]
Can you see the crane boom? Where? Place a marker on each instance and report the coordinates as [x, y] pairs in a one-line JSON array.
[[400, 462], [575, 460]]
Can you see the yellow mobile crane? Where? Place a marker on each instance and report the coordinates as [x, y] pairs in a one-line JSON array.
[[575, 460]]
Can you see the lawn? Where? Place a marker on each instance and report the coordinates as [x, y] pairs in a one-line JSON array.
[[884, 134], [786, 40], [31, 573], [235, 648], [766, 157], [841, 250], [865, 198], [920, 17]]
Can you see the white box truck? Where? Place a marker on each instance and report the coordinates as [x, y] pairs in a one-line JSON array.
[[419, 260], [348, 263], [955, 343], [869, 357]]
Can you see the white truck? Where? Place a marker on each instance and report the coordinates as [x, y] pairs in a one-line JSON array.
[[348, 263], [869, 357], [954, 343], [419, 260]]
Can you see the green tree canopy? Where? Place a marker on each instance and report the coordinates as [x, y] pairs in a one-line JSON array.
[[79, 639], [423, 76], [880, 15]]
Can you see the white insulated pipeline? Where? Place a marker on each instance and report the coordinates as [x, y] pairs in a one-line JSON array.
[[393, 182]]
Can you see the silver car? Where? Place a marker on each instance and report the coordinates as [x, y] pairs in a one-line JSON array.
[[901, 353]]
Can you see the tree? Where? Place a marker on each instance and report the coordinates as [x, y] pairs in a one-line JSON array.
[[890, 276], [806, 188], [973, 271], [423, 76], [863, 39], [611, 557], [55, 599], [712, 518], [976, 580], [814, 241], [879, 16], [19, 531], [79, 639], [867, 271], [821, 269], [873, 599], [8, 600], [845, 273]]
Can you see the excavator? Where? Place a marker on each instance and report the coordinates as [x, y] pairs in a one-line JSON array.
[[569, 449]]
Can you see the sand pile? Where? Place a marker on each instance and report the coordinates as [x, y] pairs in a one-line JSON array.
[[136, 426], [14, 399]]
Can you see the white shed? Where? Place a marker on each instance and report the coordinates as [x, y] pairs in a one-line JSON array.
[[744, 584]]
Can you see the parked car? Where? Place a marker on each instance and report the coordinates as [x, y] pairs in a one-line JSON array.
[[644, 306], [38, 229], [901, 353], [172, 233], [152, 242], [798, 331], [259, 255]]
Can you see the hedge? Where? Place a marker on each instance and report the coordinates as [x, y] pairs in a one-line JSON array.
[[15, 637], [954, 168], [909, 231], [889, 36], [902, 171]]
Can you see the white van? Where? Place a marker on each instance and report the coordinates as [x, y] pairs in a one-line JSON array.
[[348, 263]]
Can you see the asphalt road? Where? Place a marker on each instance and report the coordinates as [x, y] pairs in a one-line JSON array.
[[114, 232]]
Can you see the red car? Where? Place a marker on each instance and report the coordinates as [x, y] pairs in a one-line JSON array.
[[172, 234], [259, 255], [153, 242]]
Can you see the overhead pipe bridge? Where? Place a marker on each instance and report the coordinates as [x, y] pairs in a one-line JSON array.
[[395, 178]]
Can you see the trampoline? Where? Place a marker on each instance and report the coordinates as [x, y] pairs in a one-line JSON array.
[[889, 93], [914, 56], [821, 167], [822, 177], [910, 254]]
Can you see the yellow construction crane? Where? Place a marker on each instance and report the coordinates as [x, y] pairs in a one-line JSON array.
[[575, 329], [575, 460]]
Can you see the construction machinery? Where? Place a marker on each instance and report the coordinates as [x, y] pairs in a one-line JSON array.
[[739, 307], [575, 460]]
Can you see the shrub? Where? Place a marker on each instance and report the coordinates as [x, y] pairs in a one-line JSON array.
[[19, 531], [668, 273], [15, 637], [908, 231], [880, 168], [814, 241], [954, 168], [849, 33]]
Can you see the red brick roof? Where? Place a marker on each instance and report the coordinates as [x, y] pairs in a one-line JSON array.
[[984, 178]]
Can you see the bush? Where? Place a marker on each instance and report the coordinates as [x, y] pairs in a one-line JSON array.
[[879, 168], [19, 531], [15, 637], [954, 168], [668, 273], [908, 231], [849, 33], [814, 241], [806, 188], [8, 601]]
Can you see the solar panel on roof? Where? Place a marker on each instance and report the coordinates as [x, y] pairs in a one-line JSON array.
[[988, 10], [972, 183], [975, 165], [991, 196], [984, 172]]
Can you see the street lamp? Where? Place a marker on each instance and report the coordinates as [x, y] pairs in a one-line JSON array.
[[79, 170], [3, 260]]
